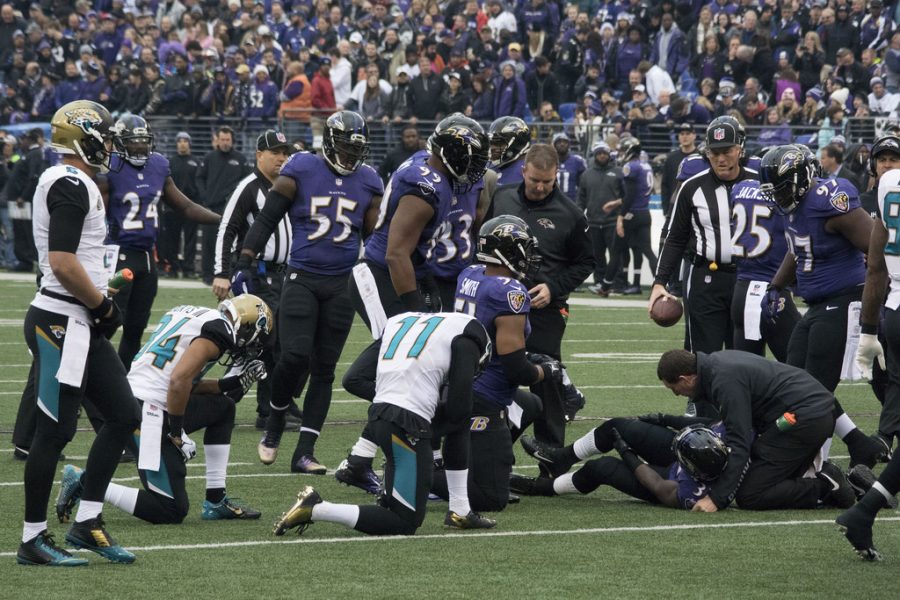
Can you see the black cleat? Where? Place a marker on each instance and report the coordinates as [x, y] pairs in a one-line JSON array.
[[92, 535], [856, 525], [43, 551], [308, 465], [530, 486], [841, 493], [359, 475], [862, 478], [551, 461], [470, 521]]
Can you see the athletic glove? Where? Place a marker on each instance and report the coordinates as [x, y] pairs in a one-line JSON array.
[[772, 304], [244, 279], [868, 350], [537, 358], [106, 318], [631, 460], [552, 371], [185, 445], [236, 386], [653, 419]]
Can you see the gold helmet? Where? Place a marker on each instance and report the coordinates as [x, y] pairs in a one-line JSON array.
[[251, 319], [84, 129]]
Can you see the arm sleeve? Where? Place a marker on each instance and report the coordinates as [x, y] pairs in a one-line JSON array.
[[517, 368], [68, 203], [233, 227], [274, 210], [464, 355], [679, 227]]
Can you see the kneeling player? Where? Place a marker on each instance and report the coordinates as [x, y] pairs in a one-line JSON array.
[[164, 377], [418, 352]]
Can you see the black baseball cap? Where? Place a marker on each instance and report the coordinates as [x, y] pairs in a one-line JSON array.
[[271, 140], [723, 135]]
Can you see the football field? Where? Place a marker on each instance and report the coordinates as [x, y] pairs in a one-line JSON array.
[[604, 545]]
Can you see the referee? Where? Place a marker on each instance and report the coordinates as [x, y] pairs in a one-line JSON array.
[[699, 228], [248, 198], [566, 260]]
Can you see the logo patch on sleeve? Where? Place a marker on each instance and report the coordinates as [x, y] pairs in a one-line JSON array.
[[426, 188], [516, 300], [841, 201]]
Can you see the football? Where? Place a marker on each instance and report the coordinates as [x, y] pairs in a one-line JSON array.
[[666, 311]]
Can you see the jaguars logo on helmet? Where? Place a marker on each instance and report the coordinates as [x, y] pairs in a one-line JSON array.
[[251, 320], [345, 143], [700, 452], [84, 129], [463, 148], [507, 241], [510, 140], [785, 175], [133, 139]]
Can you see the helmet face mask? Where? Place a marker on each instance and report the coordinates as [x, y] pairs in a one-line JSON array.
[[463, 148], [506, 241], [510, 139], [251, 320], [133, 140], [786, 175], [700, 452], [345, 143]]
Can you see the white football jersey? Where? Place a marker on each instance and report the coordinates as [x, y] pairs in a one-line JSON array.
[[91, 251], [889, 207], [415, 359], [152, 366]]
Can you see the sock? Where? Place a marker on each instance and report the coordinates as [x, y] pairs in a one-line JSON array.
[[363, 452], [564, 485], [87, 510], [215, 495], [637, 279], [345, 514], [890, 477], [32, 530], [458, 489], [825, 450], [122, 497], [844, 425], [216, 464], [585, 446], [307, 442]]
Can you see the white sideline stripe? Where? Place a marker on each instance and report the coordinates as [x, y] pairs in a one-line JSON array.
[[487, 534]]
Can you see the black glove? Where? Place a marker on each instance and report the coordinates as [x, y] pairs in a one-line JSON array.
[[537, 358], [235, 386], [631, 460], [106, 318], [653, 419], [552, 371]]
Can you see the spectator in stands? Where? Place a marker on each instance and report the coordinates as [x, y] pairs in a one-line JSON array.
[[541, 85], [510, 97], [455, 98], [832, 160], [788, 107], [482, 99], [425, 93], [685, 111], [589, 82], [892, 64], [500, 19], [881, 103], [812, 113], [670, 51], [875, 27], [841, 33], [240, 99], [854, 74], [263, 95], [177, 92], [808, 60], [775, 132], [69, 89], [697, 34], [410, 143], [44, 103], [656, 80], [752, 104], [711, 62], [570, 65], [786, 32], [629, 55]]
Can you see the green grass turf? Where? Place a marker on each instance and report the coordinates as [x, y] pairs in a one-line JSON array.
[[603, 545]]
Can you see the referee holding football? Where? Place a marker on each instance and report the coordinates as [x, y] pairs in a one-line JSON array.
[[699, 229]]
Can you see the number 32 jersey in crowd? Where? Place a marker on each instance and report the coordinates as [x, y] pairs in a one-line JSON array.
[[328, 213], [152, 366], [134, 195]]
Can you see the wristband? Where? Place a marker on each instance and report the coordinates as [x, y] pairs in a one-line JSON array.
[[413, 301], [99, 312], [631, 460], [230, 384], [176, 425], [869, 329]]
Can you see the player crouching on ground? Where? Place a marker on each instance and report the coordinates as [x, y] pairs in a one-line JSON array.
[[418, 353], [166, 377]]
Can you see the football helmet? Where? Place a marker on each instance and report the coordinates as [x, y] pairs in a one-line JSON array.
[[700, 452], [345, 142], [886, 143], [724, 132], [510, 139], [133, 139], [629, 149], [507, 241], [463, 148], [251, 319], [84, 129], [785, 175]]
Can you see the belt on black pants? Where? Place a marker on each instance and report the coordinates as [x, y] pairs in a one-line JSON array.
[[699, 261]]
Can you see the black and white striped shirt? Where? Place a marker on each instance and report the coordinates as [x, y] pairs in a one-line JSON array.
[[243, 206], [700, 222]]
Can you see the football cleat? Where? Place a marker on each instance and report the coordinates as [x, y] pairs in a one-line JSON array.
[[551, 461], [300, 514], [69, 492], [861, 478], [470, 521], [309, 465], [841, 493], [268, 447], [42, 550], [228, 508], [530, 486], [856, 525], [92, 535], [362, 476]]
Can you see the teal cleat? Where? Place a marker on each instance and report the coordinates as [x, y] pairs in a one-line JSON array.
[[69, 492], [228, 508], [43, 551], [92, 535]]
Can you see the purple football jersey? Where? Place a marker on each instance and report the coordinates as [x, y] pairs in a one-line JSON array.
[[511, 173], [638, 179], [413, 178], [758, 240], [569, 174], [455, 245], [487, 297], [827, 262], [134, 194], [327, 214]]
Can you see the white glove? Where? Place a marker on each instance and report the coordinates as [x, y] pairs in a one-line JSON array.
[[867, 351], [187, 448], [252, 373]]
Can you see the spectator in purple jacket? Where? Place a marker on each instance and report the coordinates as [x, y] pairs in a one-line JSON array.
[[775, 131], [510, 95], [108, 41], [94, 83], [69, 89], [670, 50], [263, 95], [629, 54]]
